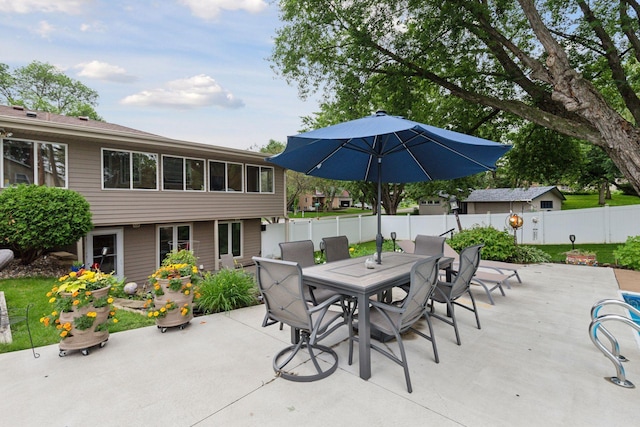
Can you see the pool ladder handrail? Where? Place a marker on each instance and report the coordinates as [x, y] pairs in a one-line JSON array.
[[614, 354]]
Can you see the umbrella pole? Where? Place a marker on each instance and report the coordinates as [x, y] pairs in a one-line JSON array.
[[379, 235]]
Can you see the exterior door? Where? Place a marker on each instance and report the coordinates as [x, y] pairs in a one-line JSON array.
[[105, 248]]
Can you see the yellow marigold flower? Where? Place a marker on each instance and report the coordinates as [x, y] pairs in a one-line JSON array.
[[52, 300], [64, 334], [194, 269], [87, 293], [46, 321], [58, 326], [187, 292], [57, 321], [49, 294], [73, 274], [63, 278], [115, 320], [75, 294], [189, 285], [42, 320], [67, 326], [112, 313], [54, 289], [109, 300], [76, 301], [156, 314], [351, 250], [54, 313], [92, 314], [149, 314], [163, 309]]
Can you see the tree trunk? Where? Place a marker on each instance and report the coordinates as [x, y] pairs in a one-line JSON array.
[[617, 136], [601, 192]]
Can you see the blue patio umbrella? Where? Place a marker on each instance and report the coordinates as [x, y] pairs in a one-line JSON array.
[[390, 149]]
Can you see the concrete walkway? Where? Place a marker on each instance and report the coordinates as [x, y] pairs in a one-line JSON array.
[[531, 364]]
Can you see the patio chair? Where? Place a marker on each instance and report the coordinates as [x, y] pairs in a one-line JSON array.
[[407, 246], [449, 292], [302, 252], [226, 261], [396, 320], [281, 287], [488, 275], [336, 248], [429, 245]]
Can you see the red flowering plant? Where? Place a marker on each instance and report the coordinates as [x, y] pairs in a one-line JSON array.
[[75, 291]]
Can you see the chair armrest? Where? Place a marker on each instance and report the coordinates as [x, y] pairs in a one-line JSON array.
[[386, 307], [325, 303]]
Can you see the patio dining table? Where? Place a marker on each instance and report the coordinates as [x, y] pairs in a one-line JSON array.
[[351, 277]]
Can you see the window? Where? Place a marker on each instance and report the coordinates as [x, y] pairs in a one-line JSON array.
[[224, 176], [546, 204], [173, 238], [30, 162], [259, 179], [129, 170], [230, 238], [179, 173]]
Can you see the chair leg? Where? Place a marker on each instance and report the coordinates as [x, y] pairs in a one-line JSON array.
[[279, 367], [475, 309]]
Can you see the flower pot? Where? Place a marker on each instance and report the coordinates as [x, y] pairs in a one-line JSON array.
[[83, 339], [174, 317]]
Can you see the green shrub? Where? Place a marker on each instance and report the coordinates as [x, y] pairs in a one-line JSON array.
[[629, 253], [498, 245], [34, 219], [226, 290]]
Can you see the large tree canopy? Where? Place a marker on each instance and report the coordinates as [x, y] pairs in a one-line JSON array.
[[570, 66], [42, 87]]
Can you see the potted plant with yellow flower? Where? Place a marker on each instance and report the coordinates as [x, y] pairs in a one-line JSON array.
[[82, 309], [173, 288]]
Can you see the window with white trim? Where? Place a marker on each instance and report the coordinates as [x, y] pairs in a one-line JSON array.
[[182, 173], [129, 170], [33, 162], [225, 176], [259, 179]]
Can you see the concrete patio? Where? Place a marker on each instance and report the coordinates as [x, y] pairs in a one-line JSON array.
[[531, 364]]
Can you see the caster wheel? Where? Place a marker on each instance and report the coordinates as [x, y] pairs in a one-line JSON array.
[[85, 352], [182, 326], [102, 344], [62, 353], [163, 330]]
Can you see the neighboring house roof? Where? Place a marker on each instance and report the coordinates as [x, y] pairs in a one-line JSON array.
[[512, 194]]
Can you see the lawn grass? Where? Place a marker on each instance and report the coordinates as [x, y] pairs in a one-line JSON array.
[[604, 252], [19, 293], [582, 201]]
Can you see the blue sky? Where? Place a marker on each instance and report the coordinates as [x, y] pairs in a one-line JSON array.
[[194, 70]]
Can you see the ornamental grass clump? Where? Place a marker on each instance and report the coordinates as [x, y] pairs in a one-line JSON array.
[[227, 290], [74, 292]]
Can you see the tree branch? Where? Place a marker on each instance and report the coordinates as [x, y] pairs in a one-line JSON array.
[[627, 28], [630, 98]]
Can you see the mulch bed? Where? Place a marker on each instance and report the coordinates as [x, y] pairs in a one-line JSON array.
[[42, 267]]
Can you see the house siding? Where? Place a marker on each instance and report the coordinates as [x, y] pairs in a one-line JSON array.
[[113, 207], [138, 212]]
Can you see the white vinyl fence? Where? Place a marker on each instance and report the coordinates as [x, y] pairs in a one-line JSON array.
[[596, 225]]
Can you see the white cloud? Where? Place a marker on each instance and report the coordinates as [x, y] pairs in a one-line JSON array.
[[95, 27], [103, 71], [210, 9], [47, 6], [194, 92], [44, 29]]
